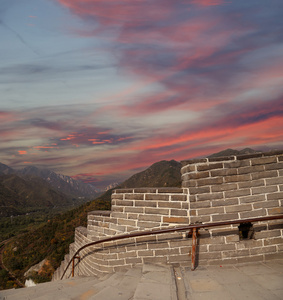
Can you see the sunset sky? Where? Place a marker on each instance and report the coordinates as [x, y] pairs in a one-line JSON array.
[[101, 89]]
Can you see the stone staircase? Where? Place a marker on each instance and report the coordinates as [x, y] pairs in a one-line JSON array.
[[254, 281], [143, 282]]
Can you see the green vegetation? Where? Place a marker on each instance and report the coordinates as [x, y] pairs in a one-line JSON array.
[[50, 241]]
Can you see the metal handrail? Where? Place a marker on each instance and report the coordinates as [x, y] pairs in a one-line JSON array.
[[193, 227]]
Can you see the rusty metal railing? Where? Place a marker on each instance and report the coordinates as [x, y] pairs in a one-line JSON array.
[[193, 230]]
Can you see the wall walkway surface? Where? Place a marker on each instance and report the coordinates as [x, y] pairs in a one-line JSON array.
[[214, 189]]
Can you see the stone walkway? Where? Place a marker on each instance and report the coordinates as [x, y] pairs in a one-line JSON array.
[[159, 282]]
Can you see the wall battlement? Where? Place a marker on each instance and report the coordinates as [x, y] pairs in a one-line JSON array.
[[213, 189]]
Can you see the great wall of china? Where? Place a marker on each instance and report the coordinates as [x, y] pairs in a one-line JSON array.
[[214, 189]]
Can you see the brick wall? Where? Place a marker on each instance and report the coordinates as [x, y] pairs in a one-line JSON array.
[[234, 188], [227, 188]]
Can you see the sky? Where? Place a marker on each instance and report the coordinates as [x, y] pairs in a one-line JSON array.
[[101, 89]]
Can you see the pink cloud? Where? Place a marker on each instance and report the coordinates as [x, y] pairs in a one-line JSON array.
[[22, 152]]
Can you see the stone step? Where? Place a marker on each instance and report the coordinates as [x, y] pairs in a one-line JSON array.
[[163, 282]]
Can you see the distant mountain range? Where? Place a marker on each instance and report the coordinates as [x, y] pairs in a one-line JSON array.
[[62, 183], [229, 152], [32, 188]]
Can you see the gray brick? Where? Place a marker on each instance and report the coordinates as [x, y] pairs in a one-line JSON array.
[[170, 190], [189, 183], [263, 160], [146, 224], [231, 216], [210, 211], [179, 197], [116, 262], [210, 181], [198, 175], [232, 238], [264, 190], [237, 193], [200, 204], [212, 196], [210, 166], [237, 178], [188, 168], [223, 172], [266, 204], [267, 234], [117, 196], [134, 196], [238, 208], [225, 202], [157, 197], [169, 204], [162, 252], [210, 255], [156, 259], [118, 215], [273, 256], [115, 208], [265, 174], [221, 247], [153, 218], [276, 166], [133, 209], [145, 190], [199, 190], [237, 164], [157, 211], [145, 253], [145, 203], [254, 198], [224, 187], [159, 245], [124, 202], [250, 169], [273, 181], [179, 212], [252, 214], [252, 183], [132, 216], [273, 241], [133, 260], [275, 196]]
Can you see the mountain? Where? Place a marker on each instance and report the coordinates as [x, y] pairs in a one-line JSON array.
[[5, 170], [161, 174], [21, 195], [62, 183], [230, 152]]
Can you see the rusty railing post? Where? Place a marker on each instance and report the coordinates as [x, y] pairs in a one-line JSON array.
[[194, 243], [73, 266]]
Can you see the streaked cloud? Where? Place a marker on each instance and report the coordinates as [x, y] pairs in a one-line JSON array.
[[125, 83]]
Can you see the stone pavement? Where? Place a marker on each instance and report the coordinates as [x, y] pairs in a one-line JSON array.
[[160, 282]]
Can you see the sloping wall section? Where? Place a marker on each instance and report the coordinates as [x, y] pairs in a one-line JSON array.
[[227, 188]]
